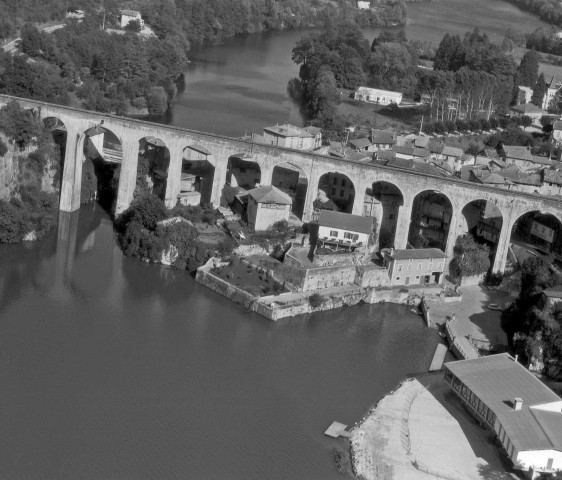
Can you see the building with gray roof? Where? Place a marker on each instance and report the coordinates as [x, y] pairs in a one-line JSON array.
[[524, 413]]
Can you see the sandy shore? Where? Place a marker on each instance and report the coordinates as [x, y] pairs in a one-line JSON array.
[[420, 431]]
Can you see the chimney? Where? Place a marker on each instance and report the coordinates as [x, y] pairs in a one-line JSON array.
[[517, 404]]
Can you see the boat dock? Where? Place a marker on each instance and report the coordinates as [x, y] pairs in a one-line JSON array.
[[336, 430], [438, 358]]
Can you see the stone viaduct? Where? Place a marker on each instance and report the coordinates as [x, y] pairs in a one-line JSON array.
[[511, 204]]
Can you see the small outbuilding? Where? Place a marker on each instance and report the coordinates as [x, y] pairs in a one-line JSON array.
[[128, 16], [267, 205], [415, 266]]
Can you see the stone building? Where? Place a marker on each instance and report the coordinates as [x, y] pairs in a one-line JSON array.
[[422, 266], [266, 206]]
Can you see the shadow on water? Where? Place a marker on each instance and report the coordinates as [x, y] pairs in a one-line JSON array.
[[294, 90]]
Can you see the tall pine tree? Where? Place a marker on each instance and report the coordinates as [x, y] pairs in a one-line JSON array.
[[528, 70], [539, 91]]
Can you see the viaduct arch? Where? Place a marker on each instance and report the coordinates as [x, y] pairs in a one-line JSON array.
[[218, 149]]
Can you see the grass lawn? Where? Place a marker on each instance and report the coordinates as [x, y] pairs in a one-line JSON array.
[[402, 119]]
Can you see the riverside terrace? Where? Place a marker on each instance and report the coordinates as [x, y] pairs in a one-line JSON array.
[[85, 126]]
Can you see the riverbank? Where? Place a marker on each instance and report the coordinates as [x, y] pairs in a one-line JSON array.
[[421, 430], [297, 302]]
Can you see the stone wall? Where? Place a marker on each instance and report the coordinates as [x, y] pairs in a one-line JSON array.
[[359, 257], [237, 295], [372, 276]]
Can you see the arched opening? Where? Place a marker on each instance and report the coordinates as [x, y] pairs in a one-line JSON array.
[[152, 167], [54, 170], [483, 221], [535, 233], [383, 201], [197, 176], [242, 172], [335, 192], [102, 166], [430, 221], [292, 181]]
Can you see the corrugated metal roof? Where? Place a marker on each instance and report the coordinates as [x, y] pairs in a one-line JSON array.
[[345, 221], [497, 380]]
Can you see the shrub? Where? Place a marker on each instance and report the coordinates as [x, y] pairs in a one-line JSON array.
[[316, 300], [20, 125], [342, 459], [3, 148], [157, 101], [139, 102], [148, 210]]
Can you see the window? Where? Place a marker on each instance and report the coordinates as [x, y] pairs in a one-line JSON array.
[[417, 277], [343, 182], [333, 191], [399, 268], [335, 181], [397, 279], [409, 266], [342, 192], [351, 236], [333, 233], [391, 216], [439, 265], [419, 266]]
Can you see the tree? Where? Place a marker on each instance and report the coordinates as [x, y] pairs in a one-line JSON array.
[[133, 26], [539, 91], [526, 121], [528, 70], [471, 258], [31, 40], [157, 101], [450, 55]]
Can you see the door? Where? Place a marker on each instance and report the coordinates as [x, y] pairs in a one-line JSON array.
[[407, 281], [549, 463]]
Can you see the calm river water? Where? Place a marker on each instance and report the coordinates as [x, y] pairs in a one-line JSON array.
[[112, 369]]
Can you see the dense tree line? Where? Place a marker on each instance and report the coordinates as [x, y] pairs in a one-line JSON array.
[[30, 209], [472, 78], [547, 10], [533, 326], [141, 235]]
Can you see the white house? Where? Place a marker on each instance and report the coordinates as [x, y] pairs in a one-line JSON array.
[[343, 228], [524, 413], [361, 5], [374, 95], [421, 266], [267, 205], [130, 16], [290, 136]]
